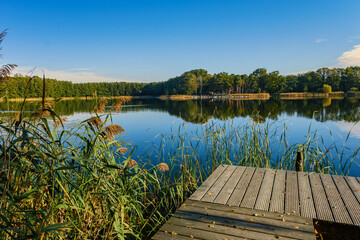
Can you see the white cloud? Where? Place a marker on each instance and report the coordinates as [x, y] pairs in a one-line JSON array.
[[82, 69], [300, 72], [347, 127], [350, 58], [77, 75], [319, 40]]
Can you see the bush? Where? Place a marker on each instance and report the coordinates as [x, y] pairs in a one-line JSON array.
[[326, 88]]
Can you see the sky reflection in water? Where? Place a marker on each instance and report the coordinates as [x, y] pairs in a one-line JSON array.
[[145, 119]]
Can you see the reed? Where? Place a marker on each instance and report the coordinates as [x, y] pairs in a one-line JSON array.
[[252, 143], [74, 184], [87, 183]]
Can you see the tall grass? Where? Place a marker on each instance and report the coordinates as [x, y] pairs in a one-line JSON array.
[[251, 143], [81, 183], [74, 184]]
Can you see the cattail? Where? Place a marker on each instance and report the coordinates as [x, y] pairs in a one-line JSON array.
[[163, 167], [112, 130], [131, 163], [94, 121]]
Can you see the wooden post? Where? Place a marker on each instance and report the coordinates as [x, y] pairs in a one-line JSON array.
[[299, 166]]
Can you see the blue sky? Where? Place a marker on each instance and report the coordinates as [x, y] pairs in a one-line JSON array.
[[149, 40]]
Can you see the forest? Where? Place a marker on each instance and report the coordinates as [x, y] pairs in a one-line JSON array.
[[194, 82]]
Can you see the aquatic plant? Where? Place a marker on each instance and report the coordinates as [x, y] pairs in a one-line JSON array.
[[84, 183], [74, 184]]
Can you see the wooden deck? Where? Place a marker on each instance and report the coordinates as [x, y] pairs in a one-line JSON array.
[[254, 203]]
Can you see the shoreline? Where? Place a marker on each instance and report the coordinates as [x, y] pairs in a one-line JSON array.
[[237, 96]]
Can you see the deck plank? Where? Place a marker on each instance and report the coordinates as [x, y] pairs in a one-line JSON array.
[[291, 193], [229, 187], [225, 213], [248, 211], [196, 233], [200, 192], [256, 203], [214, 190], [321, 203], [160, 235], [354, 186], [336, 203], [277, 196], [253, 189], [225, 230], [263, 202], [240, 189], [349, 199], [247, 226], [307, 208]]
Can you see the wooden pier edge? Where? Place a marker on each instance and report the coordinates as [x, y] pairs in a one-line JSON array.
[[237, 202]]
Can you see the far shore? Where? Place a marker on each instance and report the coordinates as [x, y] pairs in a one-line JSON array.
[[237, 96]]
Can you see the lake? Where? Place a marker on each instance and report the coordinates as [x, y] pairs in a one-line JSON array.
[[144, 119]]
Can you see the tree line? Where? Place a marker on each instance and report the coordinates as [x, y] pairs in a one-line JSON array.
[[194, 82]]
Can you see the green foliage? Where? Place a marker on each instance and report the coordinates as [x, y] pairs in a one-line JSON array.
[[192, 82], [76, 185], [326, 88]]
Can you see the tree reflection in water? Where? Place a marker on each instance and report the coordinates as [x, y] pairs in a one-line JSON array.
[[200, 111]]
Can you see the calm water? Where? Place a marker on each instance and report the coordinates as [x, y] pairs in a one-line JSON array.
[[144, 119]]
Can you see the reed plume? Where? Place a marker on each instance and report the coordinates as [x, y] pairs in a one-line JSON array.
[[131, 163], [163, 167], [112, 130], [122, 150], [94, 122], [119, 102], [100, 107], [5, 70]]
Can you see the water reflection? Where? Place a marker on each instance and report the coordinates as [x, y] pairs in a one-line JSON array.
[[145, 119], [200, 111]]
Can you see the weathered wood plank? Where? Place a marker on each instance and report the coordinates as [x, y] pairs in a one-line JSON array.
[[349, 199], [211, 194], [222, 229], [307, 208], [229, 187], [240, 189], [255, 203], [257, 219], [263, 201], [277, 196], [200, 192], [321, 203], [248, 226], [160, 235], [336, 203], [354, 186], [197, 233], [291, 193], [253, 189], [248, 212]]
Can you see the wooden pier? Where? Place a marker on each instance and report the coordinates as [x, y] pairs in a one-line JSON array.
[[254, 203]]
